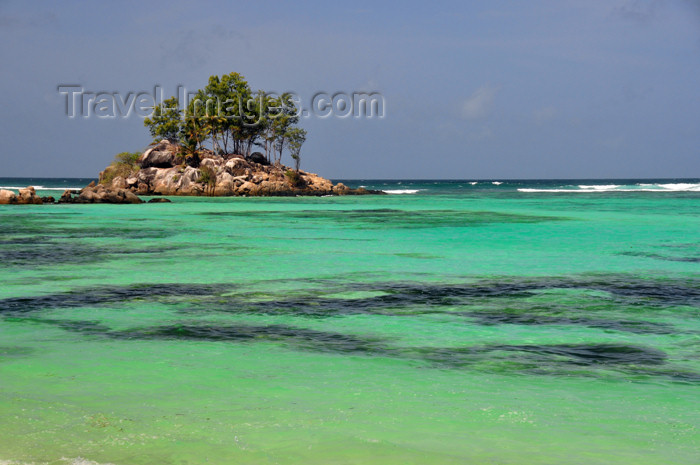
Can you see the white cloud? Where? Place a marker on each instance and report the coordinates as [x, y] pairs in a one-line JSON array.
[[479, 104]]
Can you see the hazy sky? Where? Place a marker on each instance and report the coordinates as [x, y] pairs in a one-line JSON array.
[[487, 89]]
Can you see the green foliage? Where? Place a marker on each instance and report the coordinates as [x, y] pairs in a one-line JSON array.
[[282, 117], [165, 122], [194, 130], [127, 158], [208, 178], [207, 175], [125, 164], [296, 138], [294, 178], [227, 117], [227, 101]]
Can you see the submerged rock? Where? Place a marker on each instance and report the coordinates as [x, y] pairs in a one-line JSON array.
[[100, 194], [26, 196], [7, 197], [66, 197]]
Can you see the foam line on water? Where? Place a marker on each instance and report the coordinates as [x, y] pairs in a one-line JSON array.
[[40, 188], [583, 188], [402, 191]]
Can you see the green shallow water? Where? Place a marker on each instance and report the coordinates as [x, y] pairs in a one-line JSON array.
[[451, 326]]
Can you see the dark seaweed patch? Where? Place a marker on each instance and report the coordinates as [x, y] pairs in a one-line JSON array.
[[295, 337], [664, 291], [7, 352], [392, 296], [418, 255], [594, 354], [21, 240], [678, 292], [636, 362], [50, 253], [39, 240], [87, 327], [396, 299], [81, 326], [110, 231], [557, 359], [538, 317], [381, 217], [106, 295], [668, 258], [299, 338], [577, 354], [484, 302], [43, 226]]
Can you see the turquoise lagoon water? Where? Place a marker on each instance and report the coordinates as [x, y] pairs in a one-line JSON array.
[[462, 322]]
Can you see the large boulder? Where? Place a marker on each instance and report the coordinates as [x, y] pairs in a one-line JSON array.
[[257, 157], [27, 196], [165, 181], [212, 163], [66, 197], [132, 182], [161, 155], [100, 194], [145, 178], [236, 166], [188, 182], [119, 183], [156, 159], [7, 197], [341, 189], [225, 184], [275, 187], [246, 188]]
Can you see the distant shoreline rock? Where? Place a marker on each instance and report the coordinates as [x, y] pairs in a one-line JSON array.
[[99, 194], [90, 194], [26, 196], [162, 170]]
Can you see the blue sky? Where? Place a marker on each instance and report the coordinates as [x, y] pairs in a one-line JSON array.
[[491, 89]]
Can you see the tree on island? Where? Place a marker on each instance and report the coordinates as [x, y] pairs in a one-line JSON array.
[[227, 118], [204, 146], [296, 138], [164, 122]]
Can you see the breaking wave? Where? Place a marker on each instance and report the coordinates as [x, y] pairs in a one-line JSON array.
[[402, 191], [640, 187], [41, 188]]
